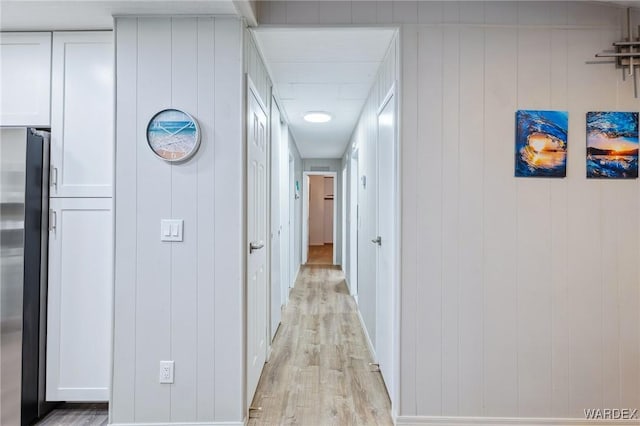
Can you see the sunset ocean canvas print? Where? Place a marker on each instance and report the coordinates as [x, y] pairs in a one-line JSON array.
[[612, 145], [541, 143]]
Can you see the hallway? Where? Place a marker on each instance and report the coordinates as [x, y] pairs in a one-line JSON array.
[[320, 255], [319, 372]]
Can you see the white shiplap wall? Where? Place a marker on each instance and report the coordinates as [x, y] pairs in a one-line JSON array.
[[520, 297], [179, 301], [365, 138]]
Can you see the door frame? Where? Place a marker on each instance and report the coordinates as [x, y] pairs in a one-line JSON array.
[[305, 213]]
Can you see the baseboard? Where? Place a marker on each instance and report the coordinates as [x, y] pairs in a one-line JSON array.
[[181, 424], [504, 421], [372, 351]]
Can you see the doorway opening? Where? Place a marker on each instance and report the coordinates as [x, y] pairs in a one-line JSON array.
[[320, 222]]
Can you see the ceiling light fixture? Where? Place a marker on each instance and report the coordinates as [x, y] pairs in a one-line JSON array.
[[317, 117]]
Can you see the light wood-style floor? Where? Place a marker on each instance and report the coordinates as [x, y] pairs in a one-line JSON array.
[[319, 372], [320, 255], [77, 415]]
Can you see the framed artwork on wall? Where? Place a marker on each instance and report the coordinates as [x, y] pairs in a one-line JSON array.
[[612, 145], [541, 143]]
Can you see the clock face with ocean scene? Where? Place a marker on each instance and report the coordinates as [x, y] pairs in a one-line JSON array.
[[173, 135]]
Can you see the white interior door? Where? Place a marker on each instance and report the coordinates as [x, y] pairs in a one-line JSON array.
[[276, 228], [284, 214], [257, 210], [353, 226], [292, 225], [386, 245]]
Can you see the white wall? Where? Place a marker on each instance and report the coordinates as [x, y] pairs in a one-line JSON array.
[[364, 138], [179, 301], [518, 298]]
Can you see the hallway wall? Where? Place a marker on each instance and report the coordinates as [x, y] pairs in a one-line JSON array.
[[519, 296], [365, 137], [179, 301]]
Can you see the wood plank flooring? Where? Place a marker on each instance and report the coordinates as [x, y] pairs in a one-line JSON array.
[[77, 415], [319, 372], [320, 255]]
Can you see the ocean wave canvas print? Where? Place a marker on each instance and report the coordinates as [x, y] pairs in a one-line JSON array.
[[541, 143], [612, 145]]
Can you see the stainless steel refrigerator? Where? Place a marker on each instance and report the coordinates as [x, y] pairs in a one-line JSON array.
[[24, 207]]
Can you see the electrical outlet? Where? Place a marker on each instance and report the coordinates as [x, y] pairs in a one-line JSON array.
[[166, 371]]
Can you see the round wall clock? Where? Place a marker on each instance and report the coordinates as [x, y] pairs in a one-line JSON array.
[[173, 135]]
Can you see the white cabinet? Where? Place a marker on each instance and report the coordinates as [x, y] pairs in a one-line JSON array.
[[25, 79], [82, 116], [80, 299]]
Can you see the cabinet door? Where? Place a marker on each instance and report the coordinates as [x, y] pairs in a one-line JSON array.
[[82, 121], [80, 299], [25, 79]]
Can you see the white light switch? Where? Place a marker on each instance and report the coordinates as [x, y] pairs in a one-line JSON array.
[[171, 229]]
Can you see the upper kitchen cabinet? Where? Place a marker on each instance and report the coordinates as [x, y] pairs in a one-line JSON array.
[[25, 79], [82, 116]]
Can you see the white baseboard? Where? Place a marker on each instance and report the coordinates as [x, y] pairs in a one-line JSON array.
[[372, 351], [181, 424], [504, 421]]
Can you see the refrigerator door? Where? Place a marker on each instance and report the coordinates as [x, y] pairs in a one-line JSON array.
[[33, 273], [24, 200], [13, 143]]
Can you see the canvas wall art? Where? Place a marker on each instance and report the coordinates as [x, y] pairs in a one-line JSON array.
[[612, 145], [541, 143]]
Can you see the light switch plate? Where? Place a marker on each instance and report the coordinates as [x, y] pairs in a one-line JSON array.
[[171, 229]]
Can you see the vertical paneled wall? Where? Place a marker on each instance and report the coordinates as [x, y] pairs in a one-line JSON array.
[[365, 137], [179, 301], [520, 297]]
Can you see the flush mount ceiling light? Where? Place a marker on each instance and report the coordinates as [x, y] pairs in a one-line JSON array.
[[317, 117]]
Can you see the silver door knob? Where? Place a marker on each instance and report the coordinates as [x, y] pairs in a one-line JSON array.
[[255, 246], [377, 241]]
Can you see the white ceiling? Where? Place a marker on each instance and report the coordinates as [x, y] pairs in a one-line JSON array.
[[40, 15], [323, 70]]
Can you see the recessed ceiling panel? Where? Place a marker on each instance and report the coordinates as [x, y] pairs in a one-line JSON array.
[[328, 70]]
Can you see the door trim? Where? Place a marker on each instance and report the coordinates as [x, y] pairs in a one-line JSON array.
[[305, 213]]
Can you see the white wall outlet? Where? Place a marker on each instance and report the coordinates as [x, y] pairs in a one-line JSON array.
[[166, 371]]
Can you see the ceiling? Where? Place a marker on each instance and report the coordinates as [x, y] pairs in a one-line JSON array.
[[38, 15], [328, 70]]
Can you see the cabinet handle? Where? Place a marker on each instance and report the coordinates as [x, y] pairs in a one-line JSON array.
[[54, 177], [53, 218]]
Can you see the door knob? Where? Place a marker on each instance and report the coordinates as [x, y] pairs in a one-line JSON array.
[[377, 241], [255, 246]]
